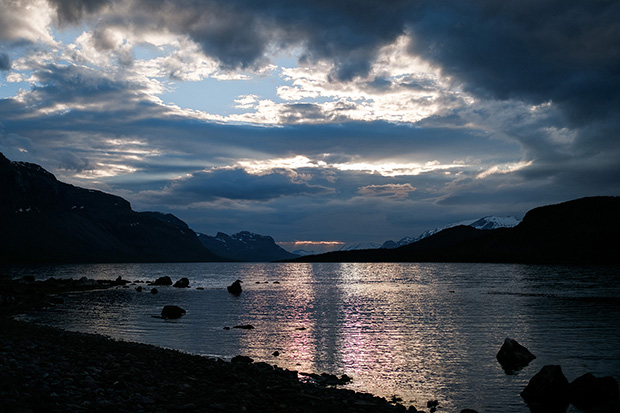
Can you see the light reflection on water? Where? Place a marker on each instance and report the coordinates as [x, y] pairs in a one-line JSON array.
[[419, 331]]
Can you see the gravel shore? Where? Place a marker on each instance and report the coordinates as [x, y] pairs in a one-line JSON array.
[[43, 369]]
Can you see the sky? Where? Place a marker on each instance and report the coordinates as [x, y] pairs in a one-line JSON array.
[[317, 122]]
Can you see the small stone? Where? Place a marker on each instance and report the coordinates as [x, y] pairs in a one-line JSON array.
[[182, 283], [163, 281], [241, 359], [57, 300], [154, 291], [235, 287], [513, 356], [432, 403], [245, 327], [172, 312], [275, 353]]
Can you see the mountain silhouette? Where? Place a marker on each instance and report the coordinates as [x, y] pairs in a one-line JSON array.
[[582, 231], [45, 220], [245, 246]]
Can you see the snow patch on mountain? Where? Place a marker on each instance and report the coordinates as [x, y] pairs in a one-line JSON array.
[[485, 223], [360, 246]]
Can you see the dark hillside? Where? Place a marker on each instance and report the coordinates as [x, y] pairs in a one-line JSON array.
[[45, 220], [583, 231]]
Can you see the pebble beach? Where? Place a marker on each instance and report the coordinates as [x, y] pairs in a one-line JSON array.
[[43, 369]]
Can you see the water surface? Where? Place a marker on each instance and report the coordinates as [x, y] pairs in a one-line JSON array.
[[413, 330]]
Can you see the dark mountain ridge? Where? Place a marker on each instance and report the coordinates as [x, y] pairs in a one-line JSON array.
[[582, 231], [45, 220], [245, 246]]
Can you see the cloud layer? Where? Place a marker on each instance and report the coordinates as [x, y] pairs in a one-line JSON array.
[[333, 121]]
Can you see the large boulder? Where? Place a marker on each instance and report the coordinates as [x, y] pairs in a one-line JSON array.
[[172, 312], [513, 356], [547, 390], [588, 391], [163, 281], [182, 283], [235, 288]]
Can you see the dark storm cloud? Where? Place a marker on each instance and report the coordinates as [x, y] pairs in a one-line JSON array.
[[240, 33], [232, 184], [508, 55], [561, 51], [5, 62], [73, 11], [558, 50]]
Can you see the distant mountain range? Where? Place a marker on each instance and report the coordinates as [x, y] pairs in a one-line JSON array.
[[583, 231], [45, 220], [359, 246], [488, 222], [245, 246]]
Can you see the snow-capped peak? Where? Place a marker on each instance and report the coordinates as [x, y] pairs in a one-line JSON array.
[[486, 223], [492, 222], [360, 246]]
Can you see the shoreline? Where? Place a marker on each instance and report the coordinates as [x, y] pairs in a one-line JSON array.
[[47, 369]]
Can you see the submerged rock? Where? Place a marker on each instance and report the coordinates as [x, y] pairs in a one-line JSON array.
[[172, 312], [235, 288], [154, 291], [182, 283], [513, 356], [547, 390]]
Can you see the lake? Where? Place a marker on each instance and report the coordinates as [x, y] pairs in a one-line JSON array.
[[418, 331]]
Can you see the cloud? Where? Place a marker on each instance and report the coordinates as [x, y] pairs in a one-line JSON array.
[[73, 11], [536, 51], [387, 113], [5, 62], [232, 184], [503, 169], [390, 190], [26, 22]]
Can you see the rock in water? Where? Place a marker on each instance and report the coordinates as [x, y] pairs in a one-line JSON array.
[[235, 288], [182, 283], [513, 356], [588, 391], [241, 359], [547, 390], [163, 281], [245, 327], [172, 311]]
